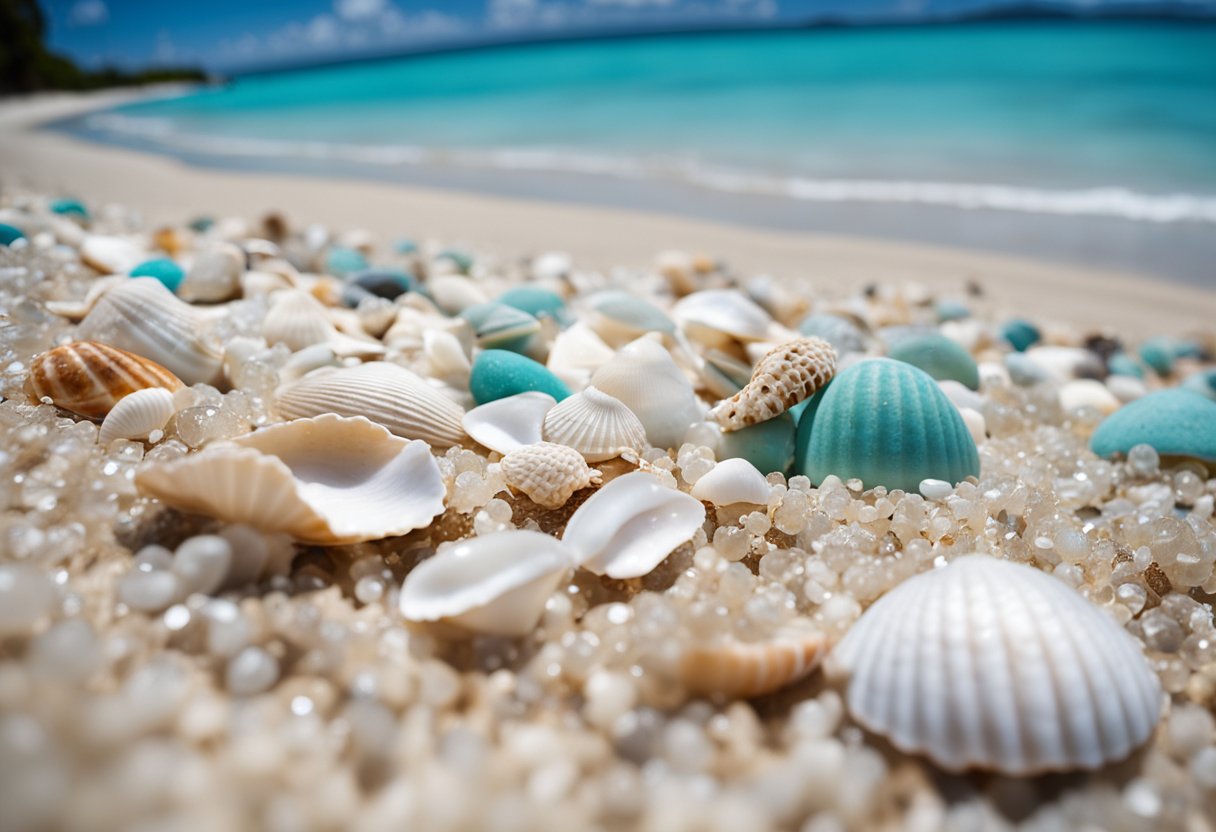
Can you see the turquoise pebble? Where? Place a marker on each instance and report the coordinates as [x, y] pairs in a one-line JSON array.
[[940, 357], [341, 261], [541, 303], [501, 327], [163, 269], [768, 445], [462, 261], [1202, 382], [201, 224], [70, 207], [500, 373], [886, 423], [1021, 334], [1122, 364], [10, 234], [383, 282], [1023, 370], [840, 332], [1186, 348], [1159, 353], [951, 309], [1176, 422], [405, 247]]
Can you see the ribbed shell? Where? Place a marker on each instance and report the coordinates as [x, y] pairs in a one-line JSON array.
[[643, 376], [137, 415], [994, 665], [388, 394], [298, 320], [88, 378], [783, 378], [740, 669], [548, 473], [595, 424], [143, 317], [886, 423]]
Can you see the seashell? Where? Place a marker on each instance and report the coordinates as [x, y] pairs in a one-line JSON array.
[[938, 356], [445, 356], [111, 255], [551, 265], [498, 326], [677, 268], [1126, 388], [1065, 363], [1021, 334], [497, 374], [722, 374], [961, 395], [595, 424], [844, 335], [257, 283], [305, 361], [388, 394], [783, 378], [75, 310], [733, 481], [381, 282], [886, 423], [328, 480], [1085, 392], [341, 261], [951, 309], [1177, 423], [740, 669], [535, 301], [1159, 353], [70, 207], [89, 379], [453, 293], [643, 376], [776, 298], [215, 274], [510, 423], [625, 529], [137, 414], [141, 316], [163, 269], [768, 445], [298, 320], [995, 665], [496, 583], [976, 424], [619, 317], [716, 317], [548, 473], [576, 353]]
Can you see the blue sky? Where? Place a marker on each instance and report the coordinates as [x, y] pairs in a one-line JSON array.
[[237, 33]]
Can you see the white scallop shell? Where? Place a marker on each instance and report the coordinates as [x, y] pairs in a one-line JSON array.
[[629, 526], [995, 665], [143, 317], [497, 583], [548, 474], [388, 394], [715, 317], [742, 669], [1086, 392], [595, 424], [303, 362], [327, 480], [506, 424], [137, 414], [733, 481], [297, 320], [644, 377]]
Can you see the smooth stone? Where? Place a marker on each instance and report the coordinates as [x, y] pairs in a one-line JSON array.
[[1202, 382], [497, 374], [935, 490], [70, 207], [940, 357], [461, 260], [768, 445], [1023, 370], [26, 596], [502, 327], [384, 283], [838, 331], [1126, 388], [1159, 353], [148, 590], [405, 247], [1021, 334], [163, 269], [251, 671], [341, 261], [1122, 364], [1175, 422], [534, 300], [951, 309], [202, 224], [202, 562], [10, 234]]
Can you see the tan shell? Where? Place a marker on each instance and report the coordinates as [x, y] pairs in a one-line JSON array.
[[89, 378], [740, 669], [782, 379], [548, 473]]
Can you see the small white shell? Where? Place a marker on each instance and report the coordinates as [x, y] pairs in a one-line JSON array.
[[961, 395], [509, 423], [327, 480], [595, 424], [445, 356], [215, 274], [715, 317], [137, 414], [1086, 392], [548, 473], [297, 320], [643, 376], [388, 394], [576, 353], [996, 665], [1064, 363], [976, 424], [741, 669], [497, 583], [733, 481], [111, 255], [454, 293], [629, 526], [1126, 388]]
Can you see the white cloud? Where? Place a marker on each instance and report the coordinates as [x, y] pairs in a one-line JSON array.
[[355, 25], [322, 30], [165, 52], [89, 13], [361, 9]]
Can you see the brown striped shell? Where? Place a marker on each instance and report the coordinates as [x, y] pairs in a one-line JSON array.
[[784, 377], [89, 378], [548, 473], [740, 669]]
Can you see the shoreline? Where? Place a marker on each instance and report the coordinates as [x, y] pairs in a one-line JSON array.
[[164, 189]]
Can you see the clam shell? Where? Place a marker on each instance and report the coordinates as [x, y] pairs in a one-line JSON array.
[[498, 326], [327, 480], [576, 353], [507, 424], [782, 379], [215, 274], [620, 317], [388, 394], [143, 317], [446, 357], [733, 481], [740, 669], [548, 473], [137, 414], [629, 526], [298, 320], [995, 665], [938, 356], [643, 376], [715, 317], [89, 379], [595, 424], [497, 583], [111, 255], [454, 293]]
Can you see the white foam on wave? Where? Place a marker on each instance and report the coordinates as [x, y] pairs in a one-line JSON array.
[[1113, 201]]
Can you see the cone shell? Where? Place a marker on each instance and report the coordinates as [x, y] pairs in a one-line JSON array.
[[738, 669], [137, 415], [994, 665], [548, 473], [782, 379], [595, 424], [643, 376], [327, 481], [388, 394], [89, 379]]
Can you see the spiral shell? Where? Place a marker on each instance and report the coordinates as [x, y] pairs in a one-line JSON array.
[[783, 378], [88, 378], [595, 424], [548, 473], [741, 669]]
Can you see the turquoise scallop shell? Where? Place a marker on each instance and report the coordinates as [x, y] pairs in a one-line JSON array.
[[1176, 422], [886, 423], [1021, 334], [163, 269], [497, 374], [938, 356]]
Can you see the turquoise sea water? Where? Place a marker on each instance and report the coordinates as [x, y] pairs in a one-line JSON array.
[[1106, 121]]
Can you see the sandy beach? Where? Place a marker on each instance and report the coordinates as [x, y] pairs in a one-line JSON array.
[[165, 190]]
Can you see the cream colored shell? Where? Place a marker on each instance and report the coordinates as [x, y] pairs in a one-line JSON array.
[[734, 668], [548, 473], [595, 424], [137, 415], [783, 378]]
